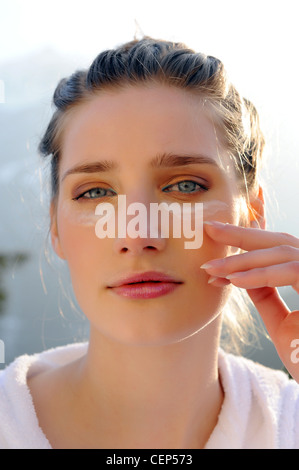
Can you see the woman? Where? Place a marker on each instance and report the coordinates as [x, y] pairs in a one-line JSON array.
[[158, 123]]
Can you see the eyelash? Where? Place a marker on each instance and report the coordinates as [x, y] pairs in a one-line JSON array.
[[201, 186], [82, 196]]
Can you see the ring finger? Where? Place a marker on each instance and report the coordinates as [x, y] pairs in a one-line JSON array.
[[251, 260]]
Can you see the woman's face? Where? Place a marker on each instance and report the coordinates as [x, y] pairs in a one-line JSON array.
[[110, 147]]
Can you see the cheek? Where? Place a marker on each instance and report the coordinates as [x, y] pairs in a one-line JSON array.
[[80, 246], [208, 299], [214, 209], [220, 211], [85, 256], [210, 250]]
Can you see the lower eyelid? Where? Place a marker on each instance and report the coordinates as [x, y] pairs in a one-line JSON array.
[[83, 195], [200, 187]]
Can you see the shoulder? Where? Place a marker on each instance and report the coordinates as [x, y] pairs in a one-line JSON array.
[[254, 371], [19, 427], [270, 393]]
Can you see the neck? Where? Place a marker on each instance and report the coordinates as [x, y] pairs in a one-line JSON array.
[[167, 394]]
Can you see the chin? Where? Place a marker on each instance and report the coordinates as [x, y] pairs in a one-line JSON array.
[[148, 337]]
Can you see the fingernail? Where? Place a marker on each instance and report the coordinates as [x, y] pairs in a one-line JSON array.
[[218, 281], [206, 266], [212, 279], [234, 275]]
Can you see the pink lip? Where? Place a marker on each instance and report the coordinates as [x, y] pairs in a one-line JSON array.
[[145, 285]]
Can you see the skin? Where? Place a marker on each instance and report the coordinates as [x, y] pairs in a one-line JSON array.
[[140, 365], [271, 260], [114, 126]]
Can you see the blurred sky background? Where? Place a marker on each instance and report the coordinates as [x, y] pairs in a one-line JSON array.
[[41, 41]]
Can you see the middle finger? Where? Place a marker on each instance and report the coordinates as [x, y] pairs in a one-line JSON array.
[[252, 259]]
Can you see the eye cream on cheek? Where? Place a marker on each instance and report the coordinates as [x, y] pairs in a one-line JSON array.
[[164, 220], [211, 208], [79, 217], [156, 220]]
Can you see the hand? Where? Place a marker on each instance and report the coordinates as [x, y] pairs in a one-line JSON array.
[[271, 260]]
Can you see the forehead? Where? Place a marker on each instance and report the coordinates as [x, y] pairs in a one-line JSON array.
[[133, 124]]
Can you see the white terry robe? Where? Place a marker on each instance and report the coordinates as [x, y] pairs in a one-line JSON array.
[[260, 408]]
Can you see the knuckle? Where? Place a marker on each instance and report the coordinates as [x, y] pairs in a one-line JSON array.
[[287, 251], [289, 239], [295, 267]]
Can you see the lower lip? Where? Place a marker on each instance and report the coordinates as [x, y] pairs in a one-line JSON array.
[[145, 290]]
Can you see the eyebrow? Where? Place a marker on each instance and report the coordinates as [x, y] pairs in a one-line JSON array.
[[165, 160]]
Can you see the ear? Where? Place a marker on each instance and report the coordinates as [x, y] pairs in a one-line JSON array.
[[256, 210], [54, 232]]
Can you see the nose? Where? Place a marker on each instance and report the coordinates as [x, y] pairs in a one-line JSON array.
[[137, 231]]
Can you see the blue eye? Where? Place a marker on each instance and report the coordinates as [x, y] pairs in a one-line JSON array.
[[96, 193], [186, 187]]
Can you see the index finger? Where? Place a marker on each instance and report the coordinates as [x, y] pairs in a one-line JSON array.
[[248, 238]]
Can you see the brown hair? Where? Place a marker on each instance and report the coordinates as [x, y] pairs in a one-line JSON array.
[[174, 64], [148, 61]]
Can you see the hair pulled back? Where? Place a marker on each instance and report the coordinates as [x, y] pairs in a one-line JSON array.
[[153, 61], [150, 60]]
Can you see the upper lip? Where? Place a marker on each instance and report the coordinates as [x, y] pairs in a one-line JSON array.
[[145, 277]]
